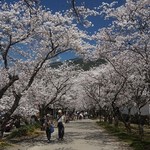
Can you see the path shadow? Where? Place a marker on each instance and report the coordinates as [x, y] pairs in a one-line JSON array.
[[102, 138], [26, 139], [84, 126], [63, 148], [99, 136]]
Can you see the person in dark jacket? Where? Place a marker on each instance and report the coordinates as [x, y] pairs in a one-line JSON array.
[[48, 122]]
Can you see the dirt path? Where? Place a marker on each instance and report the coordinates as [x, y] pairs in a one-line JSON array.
[[79, 135]]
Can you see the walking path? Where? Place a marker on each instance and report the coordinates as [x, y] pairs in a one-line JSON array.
[[79, 135]]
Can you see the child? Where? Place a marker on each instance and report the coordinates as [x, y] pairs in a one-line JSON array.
[[48, 122]]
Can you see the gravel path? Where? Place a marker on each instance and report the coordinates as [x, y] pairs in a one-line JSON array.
[[79, 135]]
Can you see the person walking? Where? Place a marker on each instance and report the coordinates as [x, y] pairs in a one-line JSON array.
[[47, 124], [60, 125]]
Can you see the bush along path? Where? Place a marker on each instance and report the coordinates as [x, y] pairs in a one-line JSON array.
[[79, 135]]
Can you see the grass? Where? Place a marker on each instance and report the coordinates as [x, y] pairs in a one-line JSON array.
[[26, 130], [3, 144], [132, 139]]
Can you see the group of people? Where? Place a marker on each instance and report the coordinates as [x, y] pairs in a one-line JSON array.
[[49, 125]]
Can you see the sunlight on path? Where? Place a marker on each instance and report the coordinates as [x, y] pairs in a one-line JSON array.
[[82, 135]]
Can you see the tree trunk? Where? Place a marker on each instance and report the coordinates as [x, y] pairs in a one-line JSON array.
[[9, 113], [100, 114], [105, 117], [128, 127], [116, 121], [140, 125], [110, 118], [1, 131]]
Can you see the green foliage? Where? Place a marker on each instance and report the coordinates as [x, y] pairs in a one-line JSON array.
[[23, 131], [132, 139], [135, 119], [79, 61], [88, 64]]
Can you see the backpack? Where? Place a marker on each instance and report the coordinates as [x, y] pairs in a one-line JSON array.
[[51, 128]]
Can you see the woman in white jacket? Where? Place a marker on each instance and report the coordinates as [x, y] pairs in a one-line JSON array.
[[61, 125]]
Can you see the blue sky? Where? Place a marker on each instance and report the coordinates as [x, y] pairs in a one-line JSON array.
[[60, 5]]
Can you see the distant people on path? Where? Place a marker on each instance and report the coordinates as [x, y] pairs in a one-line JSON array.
[[60, 125], [81, 116], [47, 125]]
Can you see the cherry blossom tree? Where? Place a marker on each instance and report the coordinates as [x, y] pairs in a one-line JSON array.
[[29, 39], [138, 94], [52, 87], [129, 32], [81, 12], [109, 87], [129, 36]]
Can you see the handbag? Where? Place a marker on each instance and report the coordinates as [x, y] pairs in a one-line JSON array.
[[51, 128]]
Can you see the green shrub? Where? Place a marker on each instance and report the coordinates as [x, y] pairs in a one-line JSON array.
[[23, 131]]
